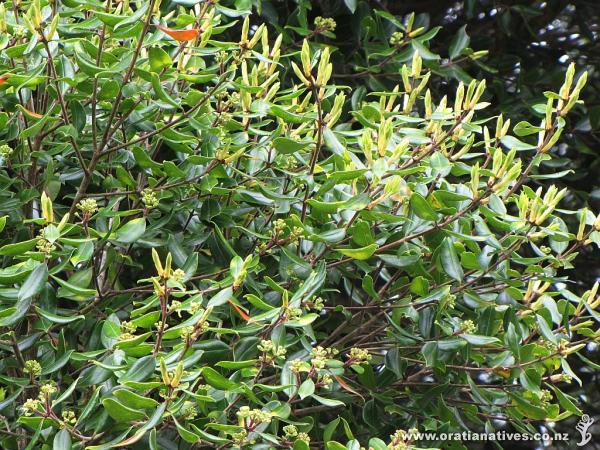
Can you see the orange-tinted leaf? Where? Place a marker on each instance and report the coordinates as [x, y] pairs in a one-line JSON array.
[[180, 35], [347, 387], [32, 114], [240, 311], [502, 371], [131, 440], [3, 79]]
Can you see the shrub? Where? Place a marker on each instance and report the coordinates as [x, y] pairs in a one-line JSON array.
[[206, 243]]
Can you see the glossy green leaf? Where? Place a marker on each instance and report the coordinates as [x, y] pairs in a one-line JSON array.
[[55, 318], [422, 208], [459, 42], [216, 380], [359, 253], [131, 231], [34, 282], [62, 440], [120, 412], [450, 261]]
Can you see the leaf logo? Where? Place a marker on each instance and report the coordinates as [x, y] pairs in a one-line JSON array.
[[582, 426]]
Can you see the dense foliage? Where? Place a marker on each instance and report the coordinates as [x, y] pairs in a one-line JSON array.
[[529, 45], [208, 240], [524, 48]]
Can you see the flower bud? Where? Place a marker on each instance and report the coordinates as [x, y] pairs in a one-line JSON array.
[[46, 204], [397, 39], [256, 37], [177, 374], [245, 29], [305, 57], [460, 95], [166, 378], [53, 27], [324, 24]]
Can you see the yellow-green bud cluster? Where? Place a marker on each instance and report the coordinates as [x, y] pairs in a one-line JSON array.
[[278, 226], [325, 380], [223, 118], [33, 368], [359, 355], [175, 305], [324, 24], [30, 406], [88, 206], [253, 417], [545, 396], [196, 307], [288, 161], [69, 417], [5, 151], [397, 38], [160, 325], [36, 405], [317, 304], [290, 431], [296, 232], [293, 313], [265, 345], [320, 355], [187, 332], [45, 246], [127, 331], [189, 410], [232, 99], [297, 366], [128, 327], [221, 56], [178, 275], [400, 440], [239, 438], [303, 437], [48, 389], [149, 199], [125, 336], [548, 345], [562, 345], [202, 327], [270, 351], [3, 22], [19, 31], [468, 327]]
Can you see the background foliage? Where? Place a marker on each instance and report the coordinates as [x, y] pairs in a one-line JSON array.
[[287, 231]]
